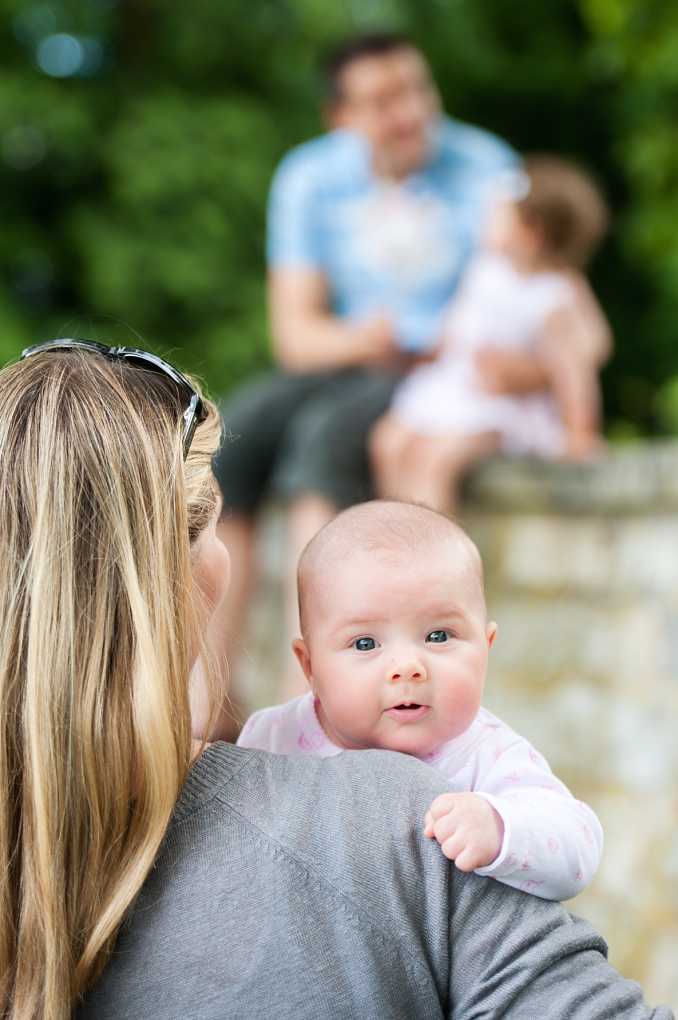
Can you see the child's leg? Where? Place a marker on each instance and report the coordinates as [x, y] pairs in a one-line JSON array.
[[389, 444], [573, 379], [437, 464]]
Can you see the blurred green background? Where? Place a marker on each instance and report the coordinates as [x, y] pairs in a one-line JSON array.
[[138, 138]]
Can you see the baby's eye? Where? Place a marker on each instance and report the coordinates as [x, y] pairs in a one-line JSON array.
[[364, 644], [437, 636]]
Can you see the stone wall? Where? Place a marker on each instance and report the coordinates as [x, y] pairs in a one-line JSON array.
[[582, 578]]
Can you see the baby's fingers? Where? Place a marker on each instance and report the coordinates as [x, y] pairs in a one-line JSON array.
[[428, 824], [442, 805], [468, 859], [452, 847], [445, 827]]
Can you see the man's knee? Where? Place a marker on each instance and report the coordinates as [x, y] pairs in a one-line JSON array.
[[255, 418], [319, 457], [324, 447]]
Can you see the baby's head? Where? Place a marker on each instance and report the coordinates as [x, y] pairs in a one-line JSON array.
[[554, 215], [395, 636]]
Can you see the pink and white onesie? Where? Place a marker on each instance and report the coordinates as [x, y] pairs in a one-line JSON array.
[[552, 842]]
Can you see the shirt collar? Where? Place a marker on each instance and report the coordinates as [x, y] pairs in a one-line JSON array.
[[360, 153], [313, 738]]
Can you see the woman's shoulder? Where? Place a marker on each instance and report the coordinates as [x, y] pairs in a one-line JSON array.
[[304, 818], [365, 799], [292, 854], [225, 772]]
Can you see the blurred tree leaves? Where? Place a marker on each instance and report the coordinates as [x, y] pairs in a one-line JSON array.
[[133, 192]]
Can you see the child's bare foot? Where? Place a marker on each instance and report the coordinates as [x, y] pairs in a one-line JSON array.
[[584, 446]]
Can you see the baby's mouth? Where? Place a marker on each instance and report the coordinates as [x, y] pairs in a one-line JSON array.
[[407, 710]]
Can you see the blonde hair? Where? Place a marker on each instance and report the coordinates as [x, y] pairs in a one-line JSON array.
[[97, 620]]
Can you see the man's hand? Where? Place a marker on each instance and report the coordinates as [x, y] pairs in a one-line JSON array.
[[375, 341], [469, 830], [510, 371], [309, 337]]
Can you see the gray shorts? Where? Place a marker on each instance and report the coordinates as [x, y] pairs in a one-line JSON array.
[[289, 435]]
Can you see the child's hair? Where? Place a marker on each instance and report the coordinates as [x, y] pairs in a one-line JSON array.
[[98, 624], [565, 204]]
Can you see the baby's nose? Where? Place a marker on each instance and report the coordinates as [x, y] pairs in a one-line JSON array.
[[412, 670]]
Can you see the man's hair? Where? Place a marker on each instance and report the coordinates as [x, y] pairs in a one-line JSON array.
[[565, 204], [343, 53]]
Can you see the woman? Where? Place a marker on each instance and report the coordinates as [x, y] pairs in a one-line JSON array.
[[107, 537], [134, 884]]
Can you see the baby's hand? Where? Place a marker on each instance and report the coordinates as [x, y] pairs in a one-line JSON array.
[[469, 830]]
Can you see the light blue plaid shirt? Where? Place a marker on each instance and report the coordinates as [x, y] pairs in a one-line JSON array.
[[395, 249]]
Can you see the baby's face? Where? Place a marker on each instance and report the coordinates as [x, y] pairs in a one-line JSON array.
[[396, 648], [509, 235]]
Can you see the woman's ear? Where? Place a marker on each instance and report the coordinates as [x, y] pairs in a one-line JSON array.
[[303, 658], [491, 633]]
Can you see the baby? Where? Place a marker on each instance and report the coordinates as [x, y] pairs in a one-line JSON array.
[[395, 646], [523, 297]]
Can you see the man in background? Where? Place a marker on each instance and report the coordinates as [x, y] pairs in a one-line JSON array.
[[369, 229]]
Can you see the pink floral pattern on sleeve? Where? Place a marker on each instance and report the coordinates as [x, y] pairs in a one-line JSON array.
[[552, 842]]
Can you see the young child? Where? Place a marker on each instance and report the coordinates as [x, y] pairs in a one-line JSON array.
[[525, 295], [395, 641]]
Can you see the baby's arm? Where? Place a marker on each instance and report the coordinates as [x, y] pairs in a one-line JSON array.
[[551, 843], [575, 343], [593, 334]]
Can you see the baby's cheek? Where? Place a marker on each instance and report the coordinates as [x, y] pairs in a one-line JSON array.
[[346, 709], [462, 704]]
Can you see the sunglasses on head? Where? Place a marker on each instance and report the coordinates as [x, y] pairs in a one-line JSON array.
[[195, 410]]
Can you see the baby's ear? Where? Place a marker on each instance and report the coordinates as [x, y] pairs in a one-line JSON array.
[[303, 657], [491, 633]]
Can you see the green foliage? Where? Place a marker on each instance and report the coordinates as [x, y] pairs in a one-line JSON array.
[[133, 196]]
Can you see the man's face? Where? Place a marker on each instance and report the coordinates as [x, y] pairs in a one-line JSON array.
[[391, 100]]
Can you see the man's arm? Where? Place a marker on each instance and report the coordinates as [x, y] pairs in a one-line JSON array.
[[307, 337], [521, 957]]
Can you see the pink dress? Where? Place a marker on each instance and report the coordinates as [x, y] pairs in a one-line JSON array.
[[496, 307]]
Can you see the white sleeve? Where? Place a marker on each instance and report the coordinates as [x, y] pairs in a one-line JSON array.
[[274, 729], [258, 731], [552, 843], [291, 728]]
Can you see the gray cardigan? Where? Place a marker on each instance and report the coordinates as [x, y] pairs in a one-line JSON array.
[[303, 889]]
